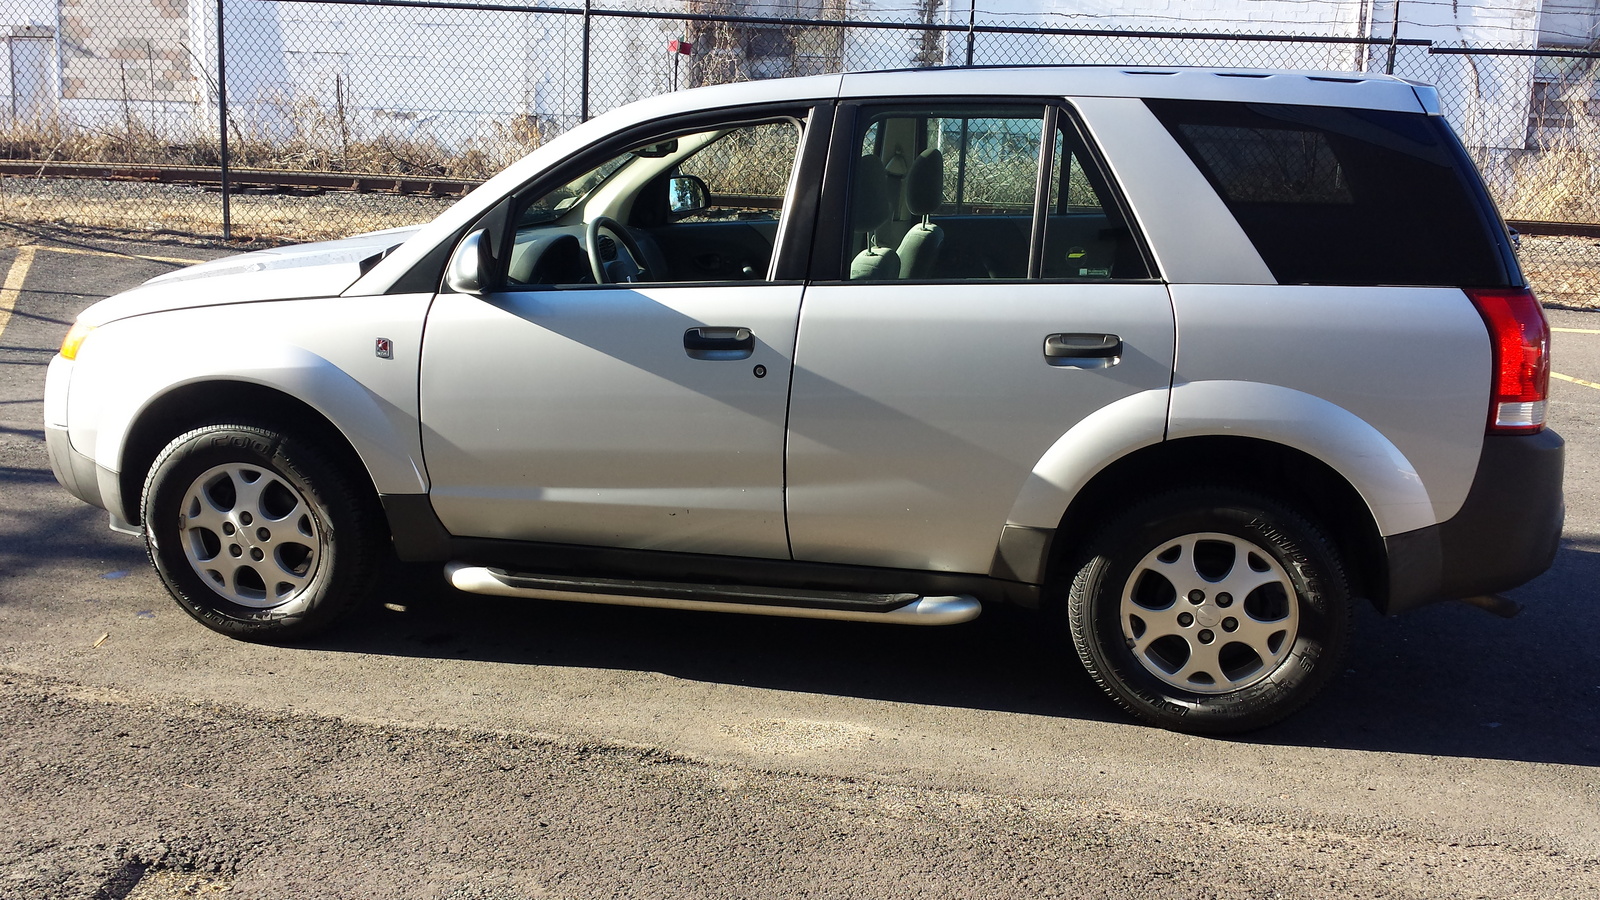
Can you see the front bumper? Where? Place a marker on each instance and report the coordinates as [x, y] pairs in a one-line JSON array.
[[76, 472], [1506, 533]]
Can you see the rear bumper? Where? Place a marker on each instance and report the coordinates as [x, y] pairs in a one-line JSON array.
[[1506, 533]]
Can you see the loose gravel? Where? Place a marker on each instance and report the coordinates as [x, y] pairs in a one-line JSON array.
[[114, 795]]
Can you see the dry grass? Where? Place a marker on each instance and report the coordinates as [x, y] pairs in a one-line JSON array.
[[1558, 178], [155, 209], [302, 135], [1560, 181], [1554, 185]]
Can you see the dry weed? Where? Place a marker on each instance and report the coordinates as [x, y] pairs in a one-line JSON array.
[[300, 134]]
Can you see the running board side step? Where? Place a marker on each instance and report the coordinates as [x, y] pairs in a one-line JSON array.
[[903, 609]]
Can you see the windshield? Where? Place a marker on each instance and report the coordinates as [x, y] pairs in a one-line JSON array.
[[554, 204]]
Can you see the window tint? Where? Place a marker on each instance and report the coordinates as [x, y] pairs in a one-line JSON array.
[[1270, 165], [1347, 196]]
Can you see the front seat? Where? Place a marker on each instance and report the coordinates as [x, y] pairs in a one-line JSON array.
[[919, 249], [869, 212]]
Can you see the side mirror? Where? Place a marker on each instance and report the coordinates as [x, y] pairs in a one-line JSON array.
[[469, 265], [686, 196]]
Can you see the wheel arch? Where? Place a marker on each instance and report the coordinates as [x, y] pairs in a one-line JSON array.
[[199, 403], [1285, 473]]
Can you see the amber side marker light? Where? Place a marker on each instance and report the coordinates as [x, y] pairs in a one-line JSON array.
[[74, 339]]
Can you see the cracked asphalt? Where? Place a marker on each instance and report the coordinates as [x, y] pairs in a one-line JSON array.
[[442, 745]]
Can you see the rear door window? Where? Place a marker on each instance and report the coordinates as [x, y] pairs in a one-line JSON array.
[[991, 192], [1085, 236]]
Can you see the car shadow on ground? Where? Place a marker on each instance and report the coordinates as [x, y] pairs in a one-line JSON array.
[[1447, 680]]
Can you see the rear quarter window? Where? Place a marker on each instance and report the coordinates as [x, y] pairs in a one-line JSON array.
[[1347, 196]]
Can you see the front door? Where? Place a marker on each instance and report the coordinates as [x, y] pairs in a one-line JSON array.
[[626, 383]]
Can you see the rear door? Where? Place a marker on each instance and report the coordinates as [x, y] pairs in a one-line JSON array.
[[920, 405]]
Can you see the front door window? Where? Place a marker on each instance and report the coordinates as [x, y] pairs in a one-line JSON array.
[[701, 207]]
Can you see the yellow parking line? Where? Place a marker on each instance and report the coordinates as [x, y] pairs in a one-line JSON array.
[[1575, 380], [13, 284], [24, 261], [1578, 330], [179, 260]]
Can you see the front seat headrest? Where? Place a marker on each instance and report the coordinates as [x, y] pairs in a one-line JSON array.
[[869, 196], [925, 183]]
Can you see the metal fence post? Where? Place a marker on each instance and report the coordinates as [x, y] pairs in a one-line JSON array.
[[588, 10], [11, 57], [1394, 39], [222, 110], [972, 23]]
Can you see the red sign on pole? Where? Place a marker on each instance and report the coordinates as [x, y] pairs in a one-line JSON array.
[[680, 45]]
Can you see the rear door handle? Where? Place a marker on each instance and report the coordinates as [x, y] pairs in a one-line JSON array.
[[711, 342], [1075, 350]]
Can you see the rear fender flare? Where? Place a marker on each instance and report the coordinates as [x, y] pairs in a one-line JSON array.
[[1096, 441], [1380, 473]]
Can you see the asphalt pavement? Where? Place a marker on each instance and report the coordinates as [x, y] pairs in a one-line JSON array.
[[450, 745]]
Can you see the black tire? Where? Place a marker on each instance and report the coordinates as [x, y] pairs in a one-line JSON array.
[[287, 545], [1209, 662]]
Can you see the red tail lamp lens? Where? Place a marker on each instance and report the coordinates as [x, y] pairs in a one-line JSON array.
[[1519, 338]]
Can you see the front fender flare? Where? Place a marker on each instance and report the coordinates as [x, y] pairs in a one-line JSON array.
[[124, 381]]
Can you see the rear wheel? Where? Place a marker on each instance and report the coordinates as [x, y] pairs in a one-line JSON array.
[[257, 534], [1210, 611]]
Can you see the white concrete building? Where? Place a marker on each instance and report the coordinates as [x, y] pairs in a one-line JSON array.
[[455, 76]]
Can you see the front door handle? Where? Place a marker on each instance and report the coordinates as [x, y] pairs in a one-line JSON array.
[[1073, 350], [710, 342]]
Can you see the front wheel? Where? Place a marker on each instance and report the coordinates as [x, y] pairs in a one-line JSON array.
[[256, 533], [1210, 611]]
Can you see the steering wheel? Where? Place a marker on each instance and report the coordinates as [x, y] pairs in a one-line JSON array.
[[591, 242]]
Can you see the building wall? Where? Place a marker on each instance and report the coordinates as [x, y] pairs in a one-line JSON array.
[[1570, 23], [453, 76], [125, 50]]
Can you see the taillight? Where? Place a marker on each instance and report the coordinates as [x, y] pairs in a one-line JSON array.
[[1519, 338]]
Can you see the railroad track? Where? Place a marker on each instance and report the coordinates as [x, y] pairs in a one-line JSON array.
[[245, 180], [285, 182]]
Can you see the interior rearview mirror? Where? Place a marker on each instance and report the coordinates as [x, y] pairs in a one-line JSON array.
[[658, 150], [686, 195]]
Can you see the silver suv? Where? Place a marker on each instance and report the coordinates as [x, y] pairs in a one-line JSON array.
[[1187, 359]]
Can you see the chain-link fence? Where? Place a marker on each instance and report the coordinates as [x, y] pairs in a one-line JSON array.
[[346, 115]]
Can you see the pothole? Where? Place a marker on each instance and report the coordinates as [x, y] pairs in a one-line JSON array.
[[167, 885]]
